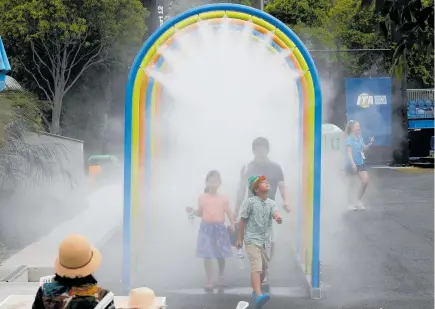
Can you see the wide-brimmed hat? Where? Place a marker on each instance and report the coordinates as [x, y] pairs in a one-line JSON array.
[[77, 258], [141, 298]]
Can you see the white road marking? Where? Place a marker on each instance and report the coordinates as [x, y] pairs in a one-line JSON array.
[[278, 291]]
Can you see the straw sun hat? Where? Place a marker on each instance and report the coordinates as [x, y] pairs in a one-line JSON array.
[[141, 298], [77, 258]]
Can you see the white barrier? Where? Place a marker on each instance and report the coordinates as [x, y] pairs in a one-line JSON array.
[[333, 163], [333, 142]]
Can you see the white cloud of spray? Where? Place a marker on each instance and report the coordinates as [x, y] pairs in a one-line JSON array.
[[226, 89], [222, 89]]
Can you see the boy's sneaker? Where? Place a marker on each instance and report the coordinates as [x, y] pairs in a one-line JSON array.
[[265, 288], [360, 206], [351, 207], [261, 300]]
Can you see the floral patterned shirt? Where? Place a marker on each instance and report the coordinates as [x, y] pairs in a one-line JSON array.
[[53, 295], [258, 215]]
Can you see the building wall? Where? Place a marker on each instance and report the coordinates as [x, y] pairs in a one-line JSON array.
[[30, 210]]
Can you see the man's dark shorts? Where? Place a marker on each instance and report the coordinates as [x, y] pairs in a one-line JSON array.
[[351, 172]]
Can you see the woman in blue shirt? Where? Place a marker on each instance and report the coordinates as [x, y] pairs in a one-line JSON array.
[[355, 149]]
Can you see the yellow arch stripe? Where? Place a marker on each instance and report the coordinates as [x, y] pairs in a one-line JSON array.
[[310, 117]]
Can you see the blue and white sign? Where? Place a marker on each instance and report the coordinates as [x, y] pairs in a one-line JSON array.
[[368, 101]]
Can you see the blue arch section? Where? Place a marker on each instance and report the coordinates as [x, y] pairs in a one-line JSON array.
[[315, 280], [4, 66], [4, 62]]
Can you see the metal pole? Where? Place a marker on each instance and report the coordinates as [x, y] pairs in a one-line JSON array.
[[404, 91]]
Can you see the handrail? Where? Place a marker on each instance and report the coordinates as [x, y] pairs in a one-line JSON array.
[[420, 94]]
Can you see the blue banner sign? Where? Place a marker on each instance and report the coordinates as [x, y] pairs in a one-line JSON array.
[[368, 101]]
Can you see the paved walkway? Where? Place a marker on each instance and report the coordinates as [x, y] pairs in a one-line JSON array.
[[43, 251], [380, 258]]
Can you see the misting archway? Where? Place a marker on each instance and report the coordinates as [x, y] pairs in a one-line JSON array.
[[142, 119]]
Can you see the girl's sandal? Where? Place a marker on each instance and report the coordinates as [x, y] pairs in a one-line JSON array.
[[221, 283], [208, 288]]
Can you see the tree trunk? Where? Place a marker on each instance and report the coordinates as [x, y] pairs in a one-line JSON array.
[[400, 110], [55, 116], [404, 153], [107, 105]]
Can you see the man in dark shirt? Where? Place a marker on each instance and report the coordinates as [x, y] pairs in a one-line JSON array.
[[262, 165]]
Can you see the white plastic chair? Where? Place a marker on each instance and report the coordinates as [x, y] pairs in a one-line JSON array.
[[46, 279], [242, 305], [106, 302]]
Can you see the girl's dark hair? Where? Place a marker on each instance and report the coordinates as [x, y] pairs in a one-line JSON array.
[[212, 174], [70, 282]]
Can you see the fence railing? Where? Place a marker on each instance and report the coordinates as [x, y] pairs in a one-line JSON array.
[[420, 103]]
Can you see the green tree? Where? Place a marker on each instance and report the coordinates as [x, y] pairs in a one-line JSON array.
[[55, 41], [347, 24], [20, 161], [308, 18], [420, 69], [407, 23], [354, 27]]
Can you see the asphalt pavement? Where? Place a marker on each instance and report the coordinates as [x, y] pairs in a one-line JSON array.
[[380, 258]]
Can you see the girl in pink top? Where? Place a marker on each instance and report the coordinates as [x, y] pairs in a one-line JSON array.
[[213, 238]]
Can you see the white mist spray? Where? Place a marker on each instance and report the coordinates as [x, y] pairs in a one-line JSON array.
[[226, 88], [222, 88]]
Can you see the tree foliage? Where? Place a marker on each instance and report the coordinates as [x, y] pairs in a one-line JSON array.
[[20, 161], [53, 42], [18, 106], [307, 18], [350, 24], [409, 24]]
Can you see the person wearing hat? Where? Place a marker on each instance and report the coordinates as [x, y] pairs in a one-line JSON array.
[[255, 227], [262, 165], [73, 286], [141, 298]]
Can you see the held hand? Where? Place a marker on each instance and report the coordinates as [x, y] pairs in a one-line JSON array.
[[231, 227], [239, 244], [355, 169], [278, 218], [286, 207]]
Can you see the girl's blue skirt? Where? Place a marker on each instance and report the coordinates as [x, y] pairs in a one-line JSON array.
[[213, 241]]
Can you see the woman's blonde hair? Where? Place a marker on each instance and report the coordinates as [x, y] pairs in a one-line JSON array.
[[350, 126]]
